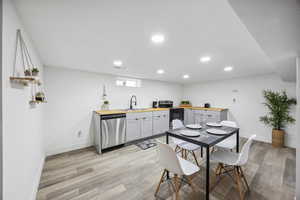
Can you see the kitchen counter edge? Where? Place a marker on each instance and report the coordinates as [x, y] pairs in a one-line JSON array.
[[111, 112]]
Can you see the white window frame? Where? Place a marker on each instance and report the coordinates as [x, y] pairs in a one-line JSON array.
[[128, 82]]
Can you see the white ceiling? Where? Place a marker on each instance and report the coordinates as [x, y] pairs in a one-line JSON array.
[[275, 24], [90, 34]]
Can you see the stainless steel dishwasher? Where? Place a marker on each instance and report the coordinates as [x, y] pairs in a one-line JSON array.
[[113, 130]]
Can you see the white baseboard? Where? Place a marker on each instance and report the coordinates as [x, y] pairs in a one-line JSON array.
[[55, 151], [289, 139]]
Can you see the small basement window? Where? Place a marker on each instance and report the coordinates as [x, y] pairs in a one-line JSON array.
[[128, 82]]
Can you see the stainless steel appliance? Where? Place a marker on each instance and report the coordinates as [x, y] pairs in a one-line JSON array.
[[165, 104], [113, 130]]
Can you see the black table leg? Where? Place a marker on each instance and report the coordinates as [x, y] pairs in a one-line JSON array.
[[201, 152], [207, 173], [238, 140], [167, 141], [167, 138]]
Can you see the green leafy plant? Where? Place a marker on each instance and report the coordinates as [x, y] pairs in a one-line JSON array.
[[106, 102], [185, 102], [35, 70], [279, 106]]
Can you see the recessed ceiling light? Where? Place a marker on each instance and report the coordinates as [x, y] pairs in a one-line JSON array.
[[186, 76], [205, 59], [118, 63], [158, 38], [228, 68], [160, 71]]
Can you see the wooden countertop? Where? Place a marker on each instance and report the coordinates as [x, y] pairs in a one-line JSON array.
[[208, 109], [110, 112]]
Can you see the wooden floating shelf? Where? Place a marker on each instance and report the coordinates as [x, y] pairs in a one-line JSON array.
[[25, 80], [12, 78]]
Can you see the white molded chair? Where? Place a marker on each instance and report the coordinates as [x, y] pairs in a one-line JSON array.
[[230, 161], [183, 146], [229, 143], [176, 165], [176, 124]]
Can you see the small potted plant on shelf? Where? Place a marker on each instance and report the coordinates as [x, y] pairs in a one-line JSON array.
[[185, 104], [278, 117], [27, 72], [40, 97], [35, 71]]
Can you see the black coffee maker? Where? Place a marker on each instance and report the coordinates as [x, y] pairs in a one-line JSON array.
[[206, 105]]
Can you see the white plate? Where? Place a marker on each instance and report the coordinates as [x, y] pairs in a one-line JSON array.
[[215, 124], [189, 133], [194, 126], [216, 131]]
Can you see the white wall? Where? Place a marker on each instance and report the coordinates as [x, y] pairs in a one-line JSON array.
[[298, 131], [23, 149], [72, 96], [248, 106]]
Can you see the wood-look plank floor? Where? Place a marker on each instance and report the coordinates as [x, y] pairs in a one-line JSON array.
[[130, 173]]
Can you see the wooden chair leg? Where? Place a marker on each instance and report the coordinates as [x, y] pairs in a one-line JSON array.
[[176, 148], [194, 155], [244, 178], [221, 168], [176, 180], [189, 180], [160, 182], [218, 169], [238, 182]]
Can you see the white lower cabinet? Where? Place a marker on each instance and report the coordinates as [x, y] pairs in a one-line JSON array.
[[204, 116], [133, 129], [198, 116], [146, 127], [138, 125], [145, 124], [188, 116], [160, 122]]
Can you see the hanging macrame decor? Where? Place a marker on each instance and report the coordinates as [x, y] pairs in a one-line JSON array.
[[25, 72], [37, 94], [28, 72]]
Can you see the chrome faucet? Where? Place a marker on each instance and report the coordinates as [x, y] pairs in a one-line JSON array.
[[131, 101]]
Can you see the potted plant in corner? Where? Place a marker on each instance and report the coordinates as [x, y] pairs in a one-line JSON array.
[[279, 114]]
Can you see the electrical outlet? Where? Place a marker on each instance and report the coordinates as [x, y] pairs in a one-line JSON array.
[[79, 134]]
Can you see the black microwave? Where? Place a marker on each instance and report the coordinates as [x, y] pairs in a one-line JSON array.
[[165, 104]]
